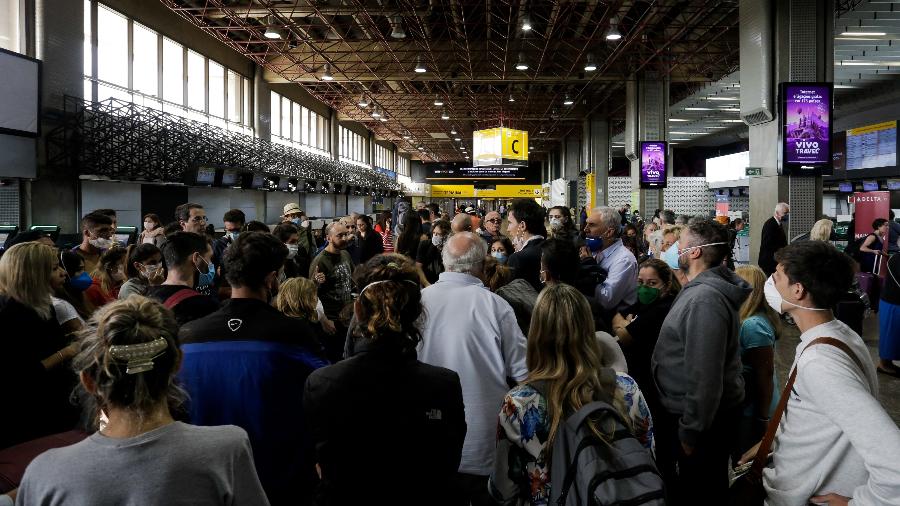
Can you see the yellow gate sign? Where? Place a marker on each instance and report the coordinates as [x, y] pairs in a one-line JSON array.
[[499, 146]]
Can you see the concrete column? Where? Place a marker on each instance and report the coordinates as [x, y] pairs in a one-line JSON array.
[[596, 156], [801, 44], [646, 119], [573, 160]]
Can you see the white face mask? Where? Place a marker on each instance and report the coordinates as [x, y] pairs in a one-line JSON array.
[[149, 226], [292, 250], [555, 222], [152, 271], [437, 240], [101, 243], [776, 301], [304, 223]]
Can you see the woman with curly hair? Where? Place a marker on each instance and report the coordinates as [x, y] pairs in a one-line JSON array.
[[381, 414]]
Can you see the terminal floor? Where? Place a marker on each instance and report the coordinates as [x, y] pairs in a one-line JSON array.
[[889, 386]]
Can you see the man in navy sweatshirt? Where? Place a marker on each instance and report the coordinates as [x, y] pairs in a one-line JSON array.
[[697, 368]]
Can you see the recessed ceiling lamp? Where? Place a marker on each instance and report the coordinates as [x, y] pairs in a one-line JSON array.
[[363, 101], [568, 100], [326, 73], [397, 31], [271, 32], [420, 67], [521, 64], [613, 32], [444, 115], [526, 24], [511, 98], [438, 101], [590, 65]]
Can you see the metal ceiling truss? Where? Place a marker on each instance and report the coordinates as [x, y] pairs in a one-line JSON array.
[[122, 140], [470, 49]]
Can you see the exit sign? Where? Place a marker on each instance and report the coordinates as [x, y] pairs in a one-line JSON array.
[[754, 171]]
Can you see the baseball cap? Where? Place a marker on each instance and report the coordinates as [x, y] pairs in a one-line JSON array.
[[470, 210]]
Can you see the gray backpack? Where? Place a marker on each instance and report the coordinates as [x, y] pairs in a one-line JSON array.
[[586, 471]]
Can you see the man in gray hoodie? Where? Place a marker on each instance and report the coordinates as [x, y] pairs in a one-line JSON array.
[[697, 369]]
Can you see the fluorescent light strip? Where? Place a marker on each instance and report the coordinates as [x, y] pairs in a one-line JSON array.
[[729, 99], [731, 120], [863, 34], [678, 119], [698, 109], [685, 133]]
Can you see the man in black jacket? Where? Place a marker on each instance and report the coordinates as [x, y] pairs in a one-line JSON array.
[[773, 238]]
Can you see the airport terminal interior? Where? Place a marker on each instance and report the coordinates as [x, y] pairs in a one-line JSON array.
[[348, 251]]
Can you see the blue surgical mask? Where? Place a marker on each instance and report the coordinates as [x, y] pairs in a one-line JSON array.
[[500, 256], [594, 244], [206, 278], [80, 282], [784, 218], [296, 221], [670, 256]]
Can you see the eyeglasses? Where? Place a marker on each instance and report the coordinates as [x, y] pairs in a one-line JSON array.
[[495, 220]]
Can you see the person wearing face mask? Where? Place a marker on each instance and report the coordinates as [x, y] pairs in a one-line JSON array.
[[561, 225], [835, 442], [501, 249], [696, 366], [669, 251], [96, 233], [293, 214], [108, 276], [144, 269], [428, 257], [637, 328], [244, 364], [526, 229], [189, 266], [773, 238], [75, 283], [154, 232], [603, 245]]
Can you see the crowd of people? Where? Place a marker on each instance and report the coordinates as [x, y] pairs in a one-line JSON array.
[[423, 358]]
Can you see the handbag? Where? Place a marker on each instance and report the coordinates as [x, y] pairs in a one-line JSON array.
[[747, 489]]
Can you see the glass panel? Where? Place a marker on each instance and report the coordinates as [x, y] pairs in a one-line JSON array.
[[196, 80], [285, 118], [216, 90], [88, 61], [246, 90], [295, 121], [275, 111], [10, 25], [304, 129], [173, 72], [88, 89], [112, 46], [234, 96], [146, 61], [104, 92]]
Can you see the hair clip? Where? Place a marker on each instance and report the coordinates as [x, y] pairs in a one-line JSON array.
[[393, 265], [139, 357]]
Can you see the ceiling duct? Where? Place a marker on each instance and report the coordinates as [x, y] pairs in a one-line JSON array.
[[756, 52]]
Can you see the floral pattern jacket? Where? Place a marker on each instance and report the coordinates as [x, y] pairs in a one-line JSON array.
[[521, 470]]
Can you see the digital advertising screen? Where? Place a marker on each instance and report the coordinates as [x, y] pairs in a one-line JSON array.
[[653, 164], [806, 135]]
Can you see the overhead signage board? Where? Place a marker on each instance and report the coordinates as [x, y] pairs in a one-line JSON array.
[[754, 171], [499, 191], [492, 172], [499, 146], [806, 129], [653, 164]]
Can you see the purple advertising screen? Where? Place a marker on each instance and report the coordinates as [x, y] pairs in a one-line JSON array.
[[653, 164], [807, 126]]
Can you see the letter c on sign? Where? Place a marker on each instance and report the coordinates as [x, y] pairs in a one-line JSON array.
[[514, 150]]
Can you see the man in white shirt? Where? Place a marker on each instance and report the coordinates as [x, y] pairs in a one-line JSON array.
[[601, 230], [477, 336], [835, 442]]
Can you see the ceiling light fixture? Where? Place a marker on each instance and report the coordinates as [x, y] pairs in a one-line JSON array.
[[698, 109], [420, 67], [326, 73], [376, 113], [453, 131], [678, 119], [724, 99], [397, 31], [521, 64], [271, 32], [590, 65], [363, 101], [613, 33], [512, 98], [542, 130], [863, 34], [526, 24], [444, 115], [421, 148], [438, 101], [568, 100], [458, 139], [406, 137]]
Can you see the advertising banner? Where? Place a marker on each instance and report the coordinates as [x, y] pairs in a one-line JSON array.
[[722, 207], [653, 164], [870, 206], [807, 125], [499, 191]]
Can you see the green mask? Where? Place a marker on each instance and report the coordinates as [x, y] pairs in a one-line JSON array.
[[647, 294]]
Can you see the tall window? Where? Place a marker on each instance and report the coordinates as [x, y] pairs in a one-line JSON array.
[[131, 56], [384, 157], [403, 166], [12, 24], [295, 125], [352, 147]]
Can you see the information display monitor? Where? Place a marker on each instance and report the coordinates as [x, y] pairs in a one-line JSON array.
[[654, 165]]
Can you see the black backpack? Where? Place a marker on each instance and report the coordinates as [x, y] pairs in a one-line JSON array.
[[588, 471]]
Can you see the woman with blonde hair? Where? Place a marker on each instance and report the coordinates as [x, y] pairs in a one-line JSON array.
[[821, 230], [759, 327], [415, 419], [564, 360], [128, 359], [298, 299], [35, 349]]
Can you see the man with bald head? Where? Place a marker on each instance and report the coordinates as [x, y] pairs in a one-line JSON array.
[[490, 231], [462, 222], [331, 270], [478, 337]]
